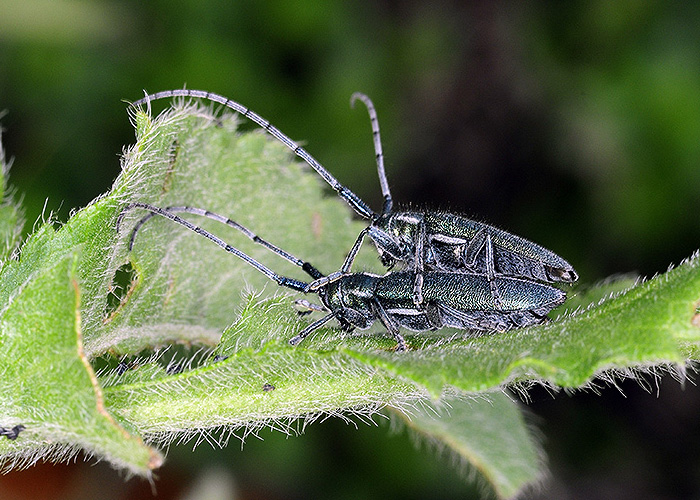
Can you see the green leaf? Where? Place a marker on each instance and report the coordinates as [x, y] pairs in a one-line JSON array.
[[234, 391], [649, 324], [185, 292], [48, 385], [178, 288], [472, 432], [186, 288], [11, 219]]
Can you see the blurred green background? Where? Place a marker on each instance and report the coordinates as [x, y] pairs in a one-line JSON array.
[[575, 124]]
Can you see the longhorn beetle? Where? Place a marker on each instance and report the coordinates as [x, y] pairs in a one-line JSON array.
[[356, 300], [422, 241]]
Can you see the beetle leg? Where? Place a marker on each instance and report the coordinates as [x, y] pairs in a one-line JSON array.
[[353, 251], [386, 320], [474, 246], [433, 315], [419, 265], [418, 290], [310, 329], [315, 285], [482, 240]]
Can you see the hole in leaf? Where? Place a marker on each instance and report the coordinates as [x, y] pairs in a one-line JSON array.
[[125, 278]]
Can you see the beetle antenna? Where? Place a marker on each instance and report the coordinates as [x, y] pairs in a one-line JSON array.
[[292, 283], [388, 201], [350, 198], [306, 266]]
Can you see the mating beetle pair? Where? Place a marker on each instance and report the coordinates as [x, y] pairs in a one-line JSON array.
[[456, 272]]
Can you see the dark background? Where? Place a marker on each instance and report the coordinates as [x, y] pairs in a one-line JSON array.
[[574, 124]]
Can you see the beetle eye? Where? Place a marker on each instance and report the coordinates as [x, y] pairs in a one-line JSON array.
[[387, 260]]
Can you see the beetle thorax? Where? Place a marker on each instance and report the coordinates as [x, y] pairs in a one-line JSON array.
[[350, 299]]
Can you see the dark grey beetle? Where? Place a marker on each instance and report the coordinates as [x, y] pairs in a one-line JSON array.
[[422, 241], [356, 300]]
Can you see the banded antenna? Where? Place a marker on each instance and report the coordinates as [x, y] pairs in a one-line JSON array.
[[378, 153], [359, 206]]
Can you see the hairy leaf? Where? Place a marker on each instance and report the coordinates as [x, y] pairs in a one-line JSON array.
[[175, 288], [48, 385], [471, 433]]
